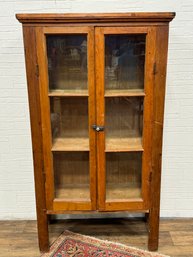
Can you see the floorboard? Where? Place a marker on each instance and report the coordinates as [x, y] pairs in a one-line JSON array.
[[19, 238]]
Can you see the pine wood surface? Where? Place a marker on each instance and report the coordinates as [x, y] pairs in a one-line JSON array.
[[122, 191], [70, 144], [29, 35], [124, 92], [68, 92], [19, 238], [114, 191], [108, 93], [112, 144], [96, 17], [97, 108], [74, 192], [123, 144], [161, 50], [45, 116]]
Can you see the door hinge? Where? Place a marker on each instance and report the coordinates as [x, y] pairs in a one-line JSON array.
[[37, 71], [154, 68]]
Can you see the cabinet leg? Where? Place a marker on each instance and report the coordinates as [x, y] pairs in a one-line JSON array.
[[43, 233], [153, 233]]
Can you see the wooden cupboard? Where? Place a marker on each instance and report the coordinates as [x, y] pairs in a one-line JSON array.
[[96, 85]]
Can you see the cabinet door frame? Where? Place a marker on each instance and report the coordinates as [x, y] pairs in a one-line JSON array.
[[135, 204], [52, 203]]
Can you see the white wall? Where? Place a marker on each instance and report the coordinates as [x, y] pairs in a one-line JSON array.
[[16, 170]]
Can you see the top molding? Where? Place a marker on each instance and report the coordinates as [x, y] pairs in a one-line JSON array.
[[95, 17]]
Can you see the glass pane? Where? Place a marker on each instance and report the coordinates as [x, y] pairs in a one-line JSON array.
[[124, 61], [71, 175], [124, 121], [69, 123], [67, 62], [123, 175]]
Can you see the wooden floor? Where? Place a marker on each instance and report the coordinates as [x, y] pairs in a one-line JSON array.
[[19, 238]]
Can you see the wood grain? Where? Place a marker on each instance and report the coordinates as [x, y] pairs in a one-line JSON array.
[[133, 144], [122, 92], [122, 192], [35, 118], [68, 93], [92, 118], [95, 17], [74, 192], [124, 30], [115, 124], [51, 30], [123, 175], [158, 112], [148, 114], [132, 205], [70, 111], [45, 116], [78, 110], [100, 112], [70, 144], [71, 174], [70, 205], [19, 238]]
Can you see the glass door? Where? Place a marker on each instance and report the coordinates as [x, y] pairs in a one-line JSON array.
[[67, 96], [123, 111]]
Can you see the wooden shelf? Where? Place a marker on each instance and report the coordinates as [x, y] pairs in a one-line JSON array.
[[66, 93], [73, 192], [122, 192], [131, 144], [113, 192], [112, 144], [124, 92], [70, 144]]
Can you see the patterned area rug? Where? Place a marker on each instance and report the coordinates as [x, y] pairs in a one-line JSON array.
[[75, 245]]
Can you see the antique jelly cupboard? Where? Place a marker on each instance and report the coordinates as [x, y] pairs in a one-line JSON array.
[[96, 85]]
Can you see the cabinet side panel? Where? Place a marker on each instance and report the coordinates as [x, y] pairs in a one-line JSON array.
[[34, 106], [158, 105]]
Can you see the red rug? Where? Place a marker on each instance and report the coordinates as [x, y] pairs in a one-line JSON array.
[[75, 245]]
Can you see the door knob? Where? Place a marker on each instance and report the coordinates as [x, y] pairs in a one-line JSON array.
[[98, 128]]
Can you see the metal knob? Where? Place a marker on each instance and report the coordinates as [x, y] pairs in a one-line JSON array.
[[98, 128]]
